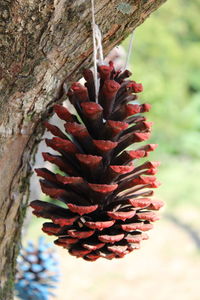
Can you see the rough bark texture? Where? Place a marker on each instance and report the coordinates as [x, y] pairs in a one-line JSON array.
[[43, 43]]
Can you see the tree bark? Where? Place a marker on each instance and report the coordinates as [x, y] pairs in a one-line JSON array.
[[43, 44]]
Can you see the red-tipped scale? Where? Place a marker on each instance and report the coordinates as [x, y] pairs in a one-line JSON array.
[[106, 238], [63, 221], [51, 229], [118, 249], [136, 226], [121, 215], [105, 190], [132, 109], [136, 87], [104, 146], [99, 225], [75, 129], [145, 107], [89, 160], [63, 113], [69, 180], [91, 110], [156, 204], [140, 202], [93, 246], [46, 174], [80, 234], [105, 72], [82, 210], [79, 252], [55, 130], [60, 145], [80, 91], [117, 126], [136, 238], [65, 241], [148, 216], [107, 96], [122, 169]]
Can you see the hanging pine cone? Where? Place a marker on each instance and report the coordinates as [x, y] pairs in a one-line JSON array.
[[105, 190], [37, 271]]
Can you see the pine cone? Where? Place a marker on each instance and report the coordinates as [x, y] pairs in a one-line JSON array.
[[37, 271], [107, 212]]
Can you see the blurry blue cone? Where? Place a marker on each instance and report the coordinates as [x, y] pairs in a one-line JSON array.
[[37, 271]]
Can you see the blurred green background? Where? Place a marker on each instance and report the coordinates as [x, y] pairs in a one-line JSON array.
[[165, 58]]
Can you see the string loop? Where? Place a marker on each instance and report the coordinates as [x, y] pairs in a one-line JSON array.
[[130, 46], [97, 49], [94, 51], [99, 44]]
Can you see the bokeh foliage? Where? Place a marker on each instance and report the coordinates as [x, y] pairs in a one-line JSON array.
[[165, 58]]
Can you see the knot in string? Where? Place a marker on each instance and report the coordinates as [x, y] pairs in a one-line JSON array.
[[98, 50]]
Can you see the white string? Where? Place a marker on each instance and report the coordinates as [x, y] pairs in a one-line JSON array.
[[129, 51], [94, 52], [99, 44], [97, 47]]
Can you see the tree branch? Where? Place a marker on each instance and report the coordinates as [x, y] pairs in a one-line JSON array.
[[44, 42]]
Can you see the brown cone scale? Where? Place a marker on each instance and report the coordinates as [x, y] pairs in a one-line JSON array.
[[105, 190]]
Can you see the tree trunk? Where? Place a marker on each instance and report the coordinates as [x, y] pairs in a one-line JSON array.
[[43, 44]]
